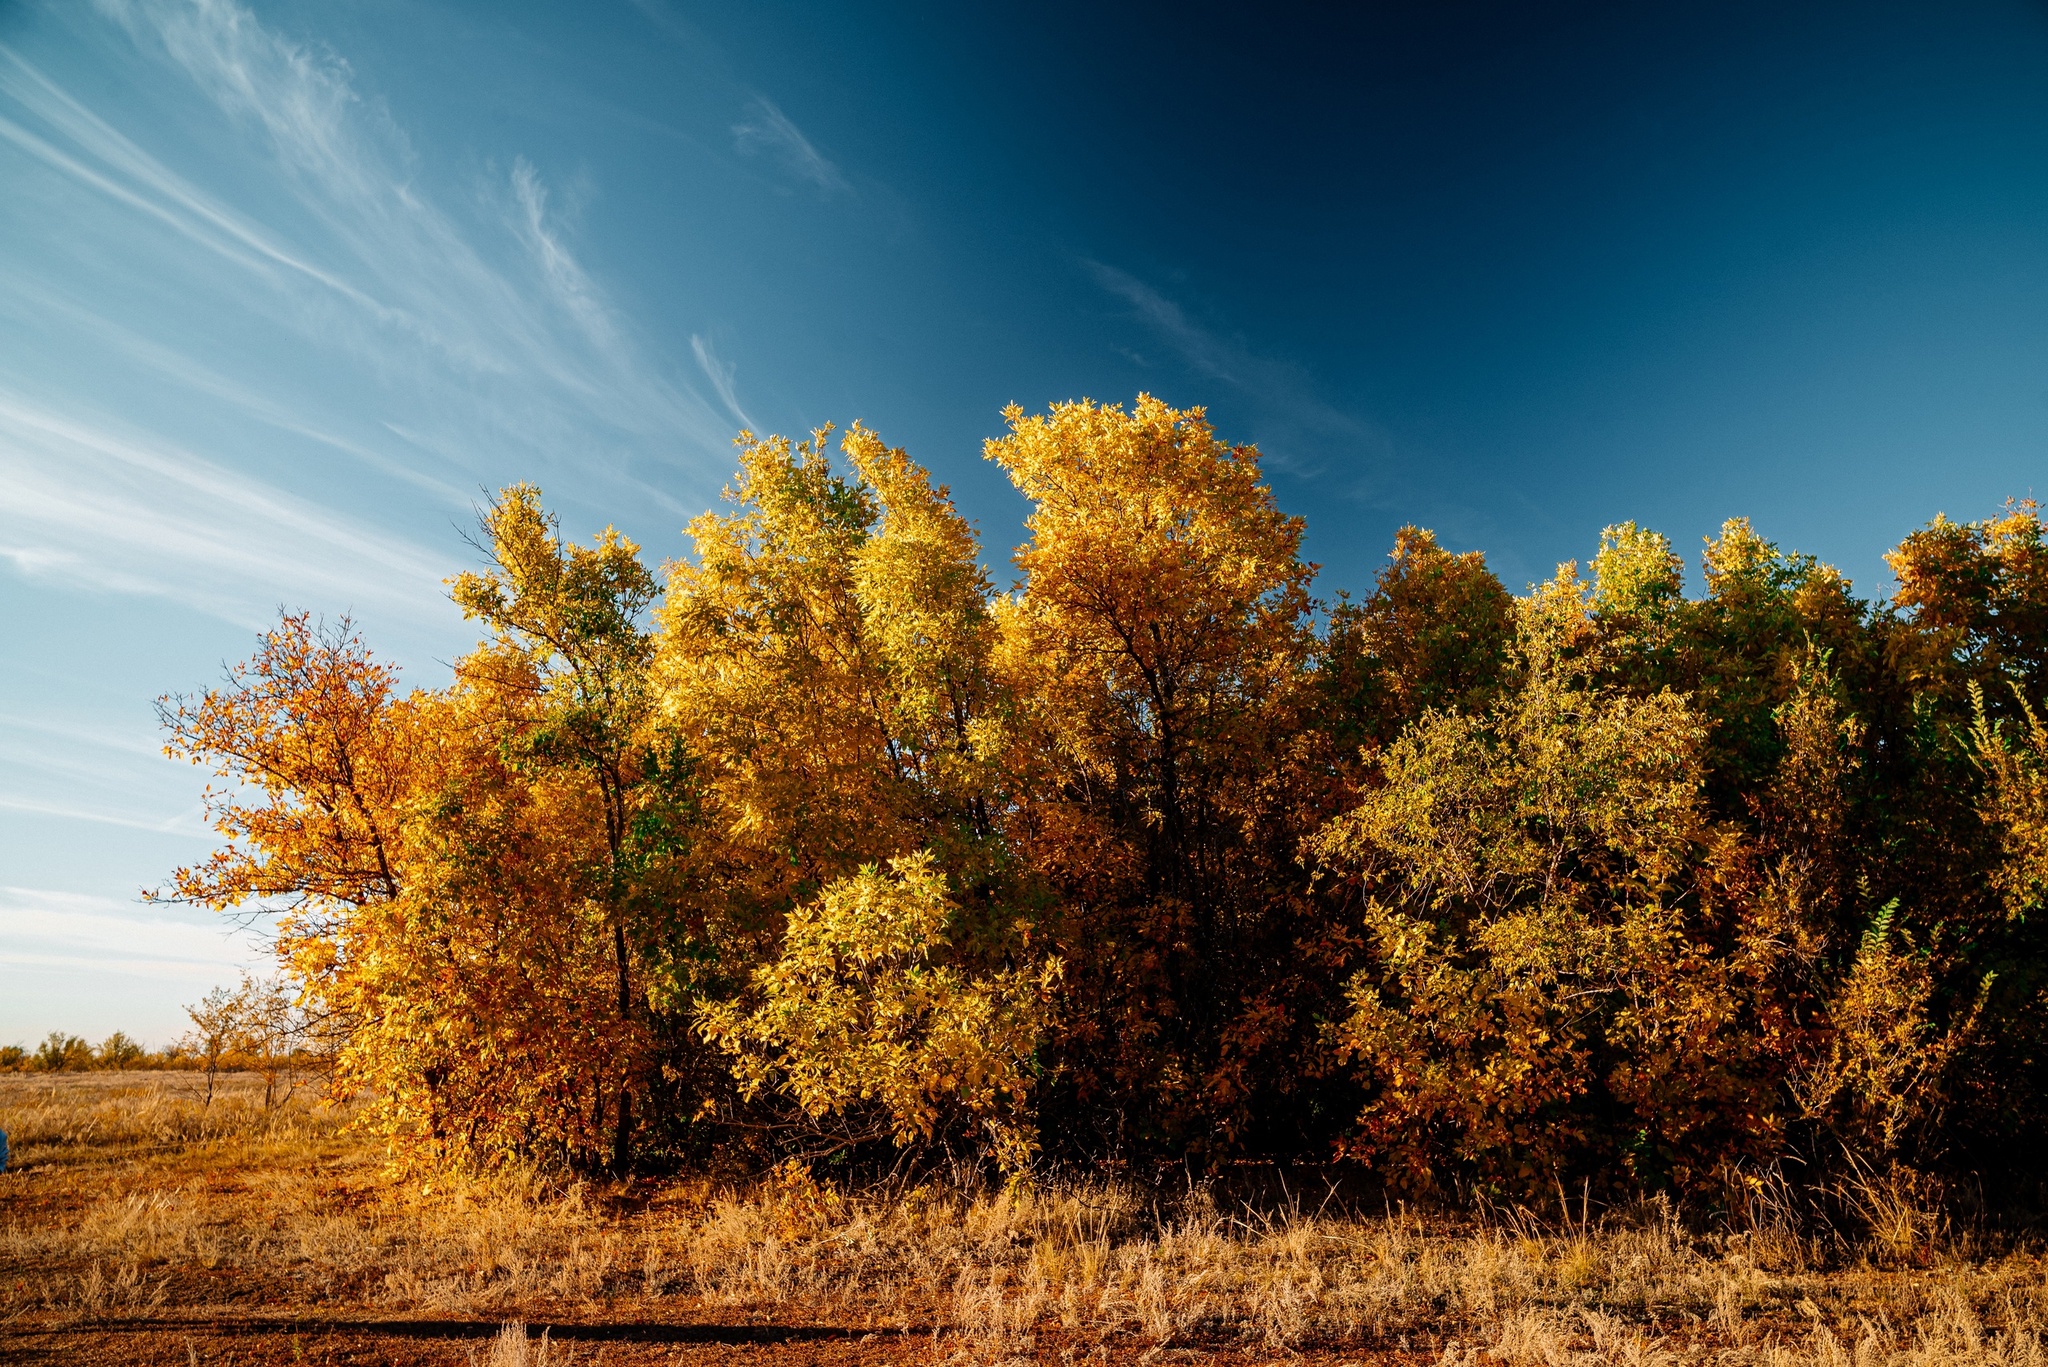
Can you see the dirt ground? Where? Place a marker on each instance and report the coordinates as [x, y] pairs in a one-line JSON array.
[[418, 1343]]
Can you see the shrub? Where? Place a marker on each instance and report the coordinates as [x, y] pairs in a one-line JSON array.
[[855, 1022]]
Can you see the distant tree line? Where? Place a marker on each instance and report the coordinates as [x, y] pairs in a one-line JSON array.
[[258, 1027], [821, 844], [62, 1053]]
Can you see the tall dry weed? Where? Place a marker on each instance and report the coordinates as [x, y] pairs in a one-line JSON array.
[[513, 1348]]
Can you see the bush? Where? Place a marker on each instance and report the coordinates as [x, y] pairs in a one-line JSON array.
[[62, 1053], [118, 1051]]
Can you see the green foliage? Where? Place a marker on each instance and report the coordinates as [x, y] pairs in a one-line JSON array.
[[1548, 995]]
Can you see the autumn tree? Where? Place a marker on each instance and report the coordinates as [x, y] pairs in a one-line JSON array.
[[1976, 594], [1552, 989], [827, 657], [1962, 647], [324, 757], [563, 676], [268, 1032], [452, 867], [826, 843], [212, 1035], [316, 743], [61, 1053], [1161, 651], [487, 994], [1435, 632], [119, 1051]]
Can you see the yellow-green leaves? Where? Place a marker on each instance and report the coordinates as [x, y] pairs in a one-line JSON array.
[[827, 655], [855, 1016], [1476, 887], [1522, 876], [1635, 572], [2015, 802]]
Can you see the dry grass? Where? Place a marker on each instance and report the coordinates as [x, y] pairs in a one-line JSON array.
[[130, 1200]]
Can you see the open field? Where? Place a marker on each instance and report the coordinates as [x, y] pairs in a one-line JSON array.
[[140, 1226]]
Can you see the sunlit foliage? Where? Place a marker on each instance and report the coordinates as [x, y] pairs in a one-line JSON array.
[[854, 1016], [1170, 761], [820, 842]]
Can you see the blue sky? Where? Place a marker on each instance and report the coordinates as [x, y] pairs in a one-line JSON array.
[[283, 286]]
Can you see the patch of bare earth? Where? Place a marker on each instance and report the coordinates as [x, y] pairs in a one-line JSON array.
[[141, 1225]]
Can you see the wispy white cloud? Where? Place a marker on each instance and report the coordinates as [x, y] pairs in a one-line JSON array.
[[42, 757], [371, 240], [98, 737], [125, 511], [254, 348], [767, 129], [1206, 352], [721, 374], [47, 922], [176, 825], [666, 19], [34, 302], [112, 164], [1281, 384], [566, 279], [472, 329]]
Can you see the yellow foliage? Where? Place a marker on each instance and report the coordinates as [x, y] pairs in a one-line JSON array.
[[826, 658], [1160, 654], [855, 1014], [1888, 1056], [2015, 803], [1151, 855]]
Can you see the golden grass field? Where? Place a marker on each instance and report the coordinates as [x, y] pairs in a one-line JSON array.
[[139, 1226]]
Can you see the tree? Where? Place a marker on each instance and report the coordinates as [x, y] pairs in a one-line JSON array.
[[1435, 633], [826, 659], [1943, 826], [566, 668], [1554, 988], [62, 1053], [1161, 653], [486, 997], [118, 1051], [260, 1027], [827, 841], [215, 1023], [314, 728], [1977, 596], [268, 1028]]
